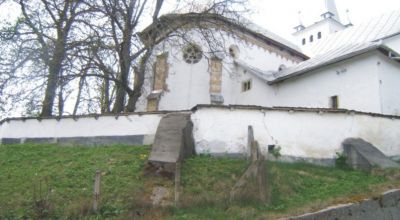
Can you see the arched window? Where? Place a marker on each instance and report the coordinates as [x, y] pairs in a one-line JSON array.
[[303, 41], [311, 38], [319, 35]]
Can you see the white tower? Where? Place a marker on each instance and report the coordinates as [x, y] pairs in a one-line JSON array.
[[331, 10], [306, 36]]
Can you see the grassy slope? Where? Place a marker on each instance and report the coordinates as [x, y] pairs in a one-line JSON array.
[[206, 183], [68, 173]]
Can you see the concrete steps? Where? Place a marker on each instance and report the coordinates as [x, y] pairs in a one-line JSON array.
[[173, 141], [363, 155]]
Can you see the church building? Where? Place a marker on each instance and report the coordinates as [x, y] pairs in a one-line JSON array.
[[331, 64]]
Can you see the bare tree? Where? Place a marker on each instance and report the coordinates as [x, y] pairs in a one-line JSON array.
[[43, 36], [121, 39], [91, 50]]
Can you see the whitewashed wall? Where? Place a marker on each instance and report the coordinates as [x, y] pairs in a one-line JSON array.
[[299, 134], [189, 84], [389, 84], [223, 130], [141, 125], [355, 81]]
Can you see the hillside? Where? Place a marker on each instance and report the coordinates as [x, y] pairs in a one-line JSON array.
[[46, 181]]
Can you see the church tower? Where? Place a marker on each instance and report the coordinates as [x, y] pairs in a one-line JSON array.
[[328, 23]]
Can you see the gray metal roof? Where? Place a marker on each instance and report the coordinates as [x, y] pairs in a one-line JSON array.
[[341, 53], [381, 27]]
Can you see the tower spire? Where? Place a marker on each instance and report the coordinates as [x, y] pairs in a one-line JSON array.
[[331, 10]]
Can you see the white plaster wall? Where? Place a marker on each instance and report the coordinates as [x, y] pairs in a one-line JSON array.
[[83, 127], [188, 84], [299, 134], [389, 83], [259, 94], [354, 81]]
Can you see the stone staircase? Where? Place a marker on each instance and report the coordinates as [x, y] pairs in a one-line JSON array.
[[172, 143]]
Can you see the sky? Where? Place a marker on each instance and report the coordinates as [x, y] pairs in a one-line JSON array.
[[280, 16]]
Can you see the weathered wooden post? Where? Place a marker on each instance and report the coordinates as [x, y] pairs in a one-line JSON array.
[[256, 170], [177, 182], [96, 191], [250, 140]]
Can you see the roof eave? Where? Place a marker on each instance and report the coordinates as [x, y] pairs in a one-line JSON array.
[[333, 61], [229, 22]]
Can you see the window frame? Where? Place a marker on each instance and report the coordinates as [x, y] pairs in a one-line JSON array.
[[246, 85]]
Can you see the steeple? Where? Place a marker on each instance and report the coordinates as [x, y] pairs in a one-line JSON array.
[[306, 36], [330, 10]]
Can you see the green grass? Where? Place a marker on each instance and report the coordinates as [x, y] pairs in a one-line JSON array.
[[63, 177], [66, 175]]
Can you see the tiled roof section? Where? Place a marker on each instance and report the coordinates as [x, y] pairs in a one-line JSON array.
[[341, 53], [377, 28]]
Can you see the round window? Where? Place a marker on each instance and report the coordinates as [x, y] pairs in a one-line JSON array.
[[192, 53]]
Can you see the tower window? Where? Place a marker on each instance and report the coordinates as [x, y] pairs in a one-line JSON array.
[[303, 41], [311, 38], [246, 85], [319, 35], [334, 102]]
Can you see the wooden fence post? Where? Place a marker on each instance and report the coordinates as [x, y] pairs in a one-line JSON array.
[[177, 182], [250, 140], [96, 191]]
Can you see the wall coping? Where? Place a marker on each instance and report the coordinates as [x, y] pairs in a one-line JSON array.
[[211, 106]]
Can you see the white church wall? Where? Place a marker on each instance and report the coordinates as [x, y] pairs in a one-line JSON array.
[[389, 83], [354, 81], [259, 94], [189, 84], [298, 133]]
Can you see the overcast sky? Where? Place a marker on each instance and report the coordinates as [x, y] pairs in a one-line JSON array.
[[280, 16]]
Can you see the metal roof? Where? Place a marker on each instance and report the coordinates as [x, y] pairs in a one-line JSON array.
[[341, 53], [381, 27]]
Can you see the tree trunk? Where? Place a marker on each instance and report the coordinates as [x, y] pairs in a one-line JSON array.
[[125, 67], [78, 96], [55, 68], [51, 87], [105, 96], [60, 101], [138, 83]]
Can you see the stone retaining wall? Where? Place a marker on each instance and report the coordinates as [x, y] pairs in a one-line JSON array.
[[384, 207]]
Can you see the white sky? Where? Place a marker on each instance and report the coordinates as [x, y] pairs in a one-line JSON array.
[[280, 16]]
